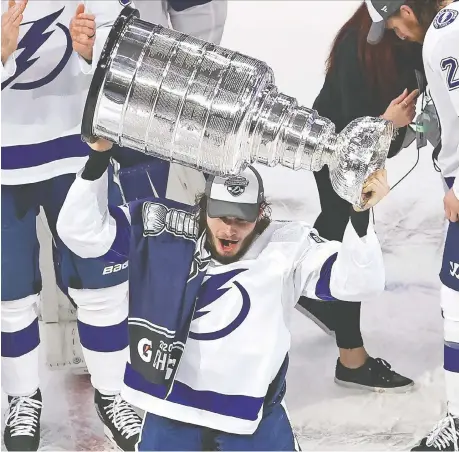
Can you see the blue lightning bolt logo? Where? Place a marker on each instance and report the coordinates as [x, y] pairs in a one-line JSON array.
[[211, 291], [31, 42]]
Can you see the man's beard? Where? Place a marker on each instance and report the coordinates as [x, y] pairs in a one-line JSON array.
[[225, 260]]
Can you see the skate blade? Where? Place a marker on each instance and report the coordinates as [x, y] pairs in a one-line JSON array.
[[109, 435], [397, 390], [321, 325]]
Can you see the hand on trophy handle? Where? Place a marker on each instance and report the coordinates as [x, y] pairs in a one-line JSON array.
[[101, 145], [374, 190]]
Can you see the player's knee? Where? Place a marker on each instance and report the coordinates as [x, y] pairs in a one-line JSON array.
[[102, 306], [450, 306], [18, 314]]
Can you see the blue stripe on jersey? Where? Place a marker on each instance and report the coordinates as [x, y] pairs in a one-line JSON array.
[[104, 339], [242, 407], [20, 342], [451, 357], [449, 181], [28, 156], [182, 5], [323, 284], [119, 251]]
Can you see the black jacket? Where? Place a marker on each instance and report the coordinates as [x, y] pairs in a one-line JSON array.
[[345, 96]]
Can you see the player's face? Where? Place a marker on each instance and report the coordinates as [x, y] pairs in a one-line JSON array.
[[406, 26], [229, 238]]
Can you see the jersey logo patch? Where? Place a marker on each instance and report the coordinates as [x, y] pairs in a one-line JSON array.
[[444, 18], [209, 293], [38, 33]]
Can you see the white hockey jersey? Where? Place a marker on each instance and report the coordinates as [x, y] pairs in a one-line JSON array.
[[227, 366], [44, 88], [204, 19], [45, 83], [441, 62]]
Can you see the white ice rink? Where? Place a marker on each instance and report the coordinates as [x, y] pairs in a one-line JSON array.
[[403, 326]]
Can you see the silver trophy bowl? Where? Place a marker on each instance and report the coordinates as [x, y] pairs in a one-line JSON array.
[[191, 102]]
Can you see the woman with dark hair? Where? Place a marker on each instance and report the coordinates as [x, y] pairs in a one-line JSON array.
[[361, 80]]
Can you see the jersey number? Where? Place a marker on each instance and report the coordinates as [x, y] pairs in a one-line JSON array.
[[450, 65]]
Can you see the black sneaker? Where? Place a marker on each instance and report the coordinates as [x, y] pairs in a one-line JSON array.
[[375, 375], [22, 424], [320, 312], [122, 424], [444, 436]]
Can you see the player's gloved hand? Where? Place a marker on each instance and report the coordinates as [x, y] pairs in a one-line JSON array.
[[83, 32], [375, 188], [11, 20], [402, 110], [451, 204], [101, 145]]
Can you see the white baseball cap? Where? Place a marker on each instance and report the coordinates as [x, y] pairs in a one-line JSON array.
[[380, 11], [235, 196]]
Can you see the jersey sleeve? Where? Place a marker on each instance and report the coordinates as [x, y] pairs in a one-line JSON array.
[[91, 228], [202, 19], [351, 270], [444, 59], [106, 12], [9, 68]]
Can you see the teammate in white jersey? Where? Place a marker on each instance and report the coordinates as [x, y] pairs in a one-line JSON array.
[[436, 24], [223, 279], [49, 51]]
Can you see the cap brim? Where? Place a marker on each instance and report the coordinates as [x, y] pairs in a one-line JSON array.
[[221, 209], [376, 32]]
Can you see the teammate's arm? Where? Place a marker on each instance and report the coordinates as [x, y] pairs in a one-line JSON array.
[[86, 224], [11, 20], [445, 61], [203, 19], [353, 269]]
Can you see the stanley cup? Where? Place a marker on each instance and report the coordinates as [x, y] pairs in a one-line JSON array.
[[187, 101]]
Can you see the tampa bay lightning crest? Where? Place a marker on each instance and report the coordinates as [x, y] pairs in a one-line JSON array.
[[212, 289], [445, 17], [28, 51], [236, 185]]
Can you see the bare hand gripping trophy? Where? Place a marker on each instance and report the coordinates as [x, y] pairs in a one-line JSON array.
[[181, 99]]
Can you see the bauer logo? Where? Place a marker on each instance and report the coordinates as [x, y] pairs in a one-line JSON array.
[[445, 17], [114, 268]]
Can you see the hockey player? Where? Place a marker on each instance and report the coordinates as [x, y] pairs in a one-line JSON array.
[[436, 24], [222, 278], [49, 51], [44, 86]]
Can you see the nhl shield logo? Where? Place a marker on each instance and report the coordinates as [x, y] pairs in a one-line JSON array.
[[236, 185]]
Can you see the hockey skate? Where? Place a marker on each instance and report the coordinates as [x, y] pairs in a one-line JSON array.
[[319, 312], [444, 436], [22, 424], [122, 424]]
